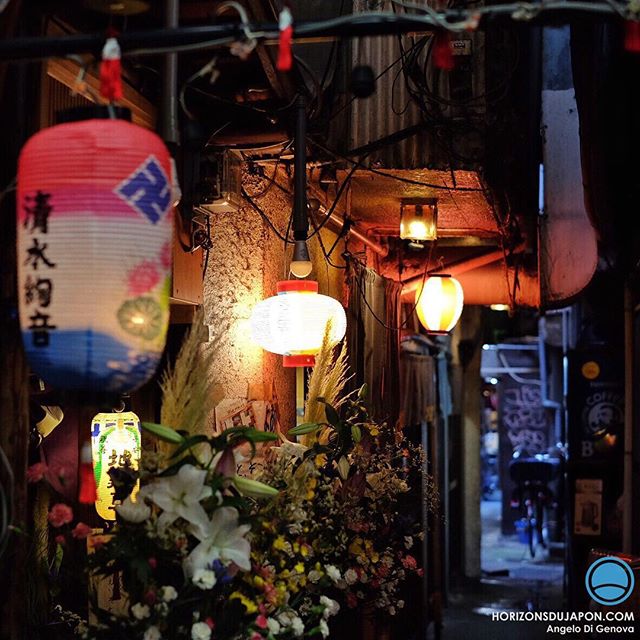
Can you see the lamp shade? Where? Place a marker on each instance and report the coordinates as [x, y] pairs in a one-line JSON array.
[[293, 322], [439, 303], [94, 248], [419, 219], [115, 442]]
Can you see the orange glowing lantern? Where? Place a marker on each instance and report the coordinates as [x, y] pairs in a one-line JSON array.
[[439, 303]]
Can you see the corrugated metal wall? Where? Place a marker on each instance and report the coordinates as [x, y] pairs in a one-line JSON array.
[[390, 108]]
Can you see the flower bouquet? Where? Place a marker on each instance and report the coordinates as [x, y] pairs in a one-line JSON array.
[[346, 522]]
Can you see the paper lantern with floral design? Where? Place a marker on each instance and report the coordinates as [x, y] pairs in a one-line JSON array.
[[94, 253], [115, 444], [293, 322]]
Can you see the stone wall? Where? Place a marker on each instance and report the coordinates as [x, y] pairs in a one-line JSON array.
[[245, 263]]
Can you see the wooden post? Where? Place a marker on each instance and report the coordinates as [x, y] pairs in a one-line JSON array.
[[14, 394]]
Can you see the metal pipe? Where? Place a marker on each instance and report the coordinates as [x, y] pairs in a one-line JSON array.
[[147, 42], [170, 80], [300, 215], [338, 221], [456, 268]]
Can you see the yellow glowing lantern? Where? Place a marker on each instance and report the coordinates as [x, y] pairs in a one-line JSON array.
[[439, 303], [115, 442], [293, 322], [419, 219]]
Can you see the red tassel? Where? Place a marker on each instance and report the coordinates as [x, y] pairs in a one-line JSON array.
[[88, 490], [285, 57], [111, 71], [632, 36], [442, 52]]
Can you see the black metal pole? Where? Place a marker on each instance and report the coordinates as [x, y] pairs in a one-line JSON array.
[[300, 214], [150, 41]]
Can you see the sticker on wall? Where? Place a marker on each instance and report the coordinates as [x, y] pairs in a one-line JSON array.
[[591, 370], [588, 507]]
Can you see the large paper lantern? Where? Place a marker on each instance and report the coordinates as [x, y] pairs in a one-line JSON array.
[[115, 443], [94, 253], [293, 323], [439, 303]]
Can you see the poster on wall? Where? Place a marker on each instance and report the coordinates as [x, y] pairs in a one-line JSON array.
[[259, 409], [587, 519], [596, 406]]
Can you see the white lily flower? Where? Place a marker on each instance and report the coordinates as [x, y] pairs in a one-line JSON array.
[[179, 497], [135, 511], [324, 629], [220, 539]]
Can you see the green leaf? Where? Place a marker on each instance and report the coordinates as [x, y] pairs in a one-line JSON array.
[[163, 433], [260, 436], [189, 442], [356, 433], [253, 488], [303, 429], [332, 415]]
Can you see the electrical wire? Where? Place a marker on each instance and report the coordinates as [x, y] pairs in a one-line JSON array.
[[425, 273], [378, 172], [327, 255], [272, 180], [339, 193], [265, 217]]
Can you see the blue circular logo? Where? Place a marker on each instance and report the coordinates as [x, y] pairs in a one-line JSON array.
[[609, 581]]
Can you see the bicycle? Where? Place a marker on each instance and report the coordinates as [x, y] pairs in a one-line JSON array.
[[533, 495]]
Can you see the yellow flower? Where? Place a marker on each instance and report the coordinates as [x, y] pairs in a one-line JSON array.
[[249, 605], [305, 550], [321, 460], [258, 581], [280, 544], [299, 567]]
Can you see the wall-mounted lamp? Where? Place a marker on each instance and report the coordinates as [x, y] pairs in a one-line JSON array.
[[418, 220], [293, 322], [439, 303]]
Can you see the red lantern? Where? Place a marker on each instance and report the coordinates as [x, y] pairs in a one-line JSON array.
[[94, 253]]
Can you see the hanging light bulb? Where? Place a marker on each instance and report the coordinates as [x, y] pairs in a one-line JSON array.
[[301, 264], [293, 322], [439, 303]]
